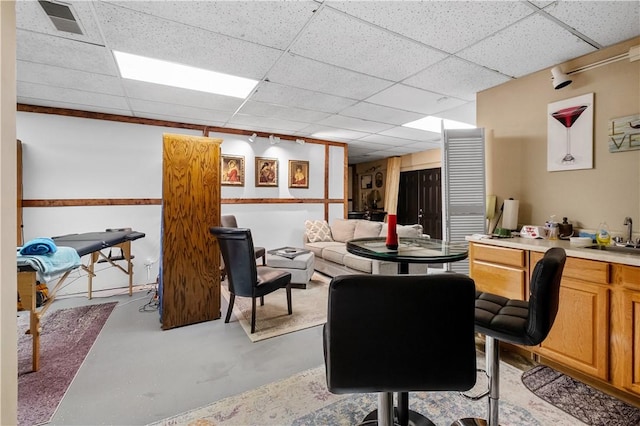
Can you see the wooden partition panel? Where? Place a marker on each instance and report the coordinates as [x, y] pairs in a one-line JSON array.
[[190, 254]]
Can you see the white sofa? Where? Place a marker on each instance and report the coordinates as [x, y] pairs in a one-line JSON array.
[[327, 242]]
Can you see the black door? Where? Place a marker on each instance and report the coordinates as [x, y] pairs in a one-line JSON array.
[[420, 200]]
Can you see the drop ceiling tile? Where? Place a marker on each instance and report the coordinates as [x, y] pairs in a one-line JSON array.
[[409, 133], [134, 32], [269, 23], [520, 50], [412, 99], [330, 133], [179, 119], [596, 19], [167, 94], [64, 53], [354, 124], [465, 113], [385, 140], [30, 16], [56, 103], [352, 44], [456, 77], [366, 143], [266, 124], [263, 109], [71, 96], [446, 25], [300, 98], [293, 70], [48, 75], [368, 111], [141, 107]]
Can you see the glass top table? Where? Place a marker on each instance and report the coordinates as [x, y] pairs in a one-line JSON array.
[[410, 250]]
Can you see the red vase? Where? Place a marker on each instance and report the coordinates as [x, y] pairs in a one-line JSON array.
[[392, 234]]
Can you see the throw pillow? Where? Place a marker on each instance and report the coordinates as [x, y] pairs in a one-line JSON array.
[[367, 229], [317, 230], [342, 229]]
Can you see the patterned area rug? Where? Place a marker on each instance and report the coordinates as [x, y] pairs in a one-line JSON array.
[[303, 399], [66, 338], [309, 309], [578, 399]]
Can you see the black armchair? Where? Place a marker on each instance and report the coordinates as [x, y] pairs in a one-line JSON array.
[[245, 278], [400, 333]]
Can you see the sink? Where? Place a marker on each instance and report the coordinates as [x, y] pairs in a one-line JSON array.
[[617, 249]]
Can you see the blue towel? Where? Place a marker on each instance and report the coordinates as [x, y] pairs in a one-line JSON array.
[[53, 264], [39, 246]]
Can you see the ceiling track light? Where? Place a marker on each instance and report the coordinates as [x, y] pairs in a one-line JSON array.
[[559, 78], [274, 140], [300, 141], [253, 137]]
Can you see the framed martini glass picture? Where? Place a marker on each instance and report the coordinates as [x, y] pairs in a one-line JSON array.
[[570, 134]]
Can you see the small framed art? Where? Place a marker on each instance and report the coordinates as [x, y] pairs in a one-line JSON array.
[[298, 174], [366, 182], [266, 171], [232, 170]]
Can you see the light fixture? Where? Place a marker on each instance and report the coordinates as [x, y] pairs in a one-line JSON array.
[[559, 78], [156, 71], [253, 137], [274, 140], [300, 141], [433, 124]]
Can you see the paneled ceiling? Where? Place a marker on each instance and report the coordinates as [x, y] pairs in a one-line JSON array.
[[346, 71]]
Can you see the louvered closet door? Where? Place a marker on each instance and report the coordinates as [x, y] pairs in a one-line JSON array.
[[463, 185]]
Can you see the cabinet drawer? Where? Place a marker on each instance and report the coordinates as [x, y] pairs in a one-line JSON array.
[[502, 255], [581, 269], [501, 280]]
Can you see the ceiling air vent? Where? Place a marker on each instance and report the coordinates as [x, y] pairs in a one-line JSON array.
[[61, 16]]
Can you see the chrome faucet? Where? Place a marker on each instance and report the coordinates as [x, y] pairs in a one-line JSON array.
[[629, 224]]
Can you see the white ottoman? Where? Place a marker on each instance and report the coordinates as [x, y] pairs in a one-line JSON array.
[[300, 267]]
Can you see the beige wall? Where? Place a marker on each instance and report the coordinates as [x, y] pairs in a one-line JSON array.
[[515, 118], [8, 193]]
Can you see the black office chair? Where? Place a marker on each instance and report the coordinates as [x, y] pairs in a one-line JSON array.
[[516, 321], [245, 278], [229, 221], [399, 333]]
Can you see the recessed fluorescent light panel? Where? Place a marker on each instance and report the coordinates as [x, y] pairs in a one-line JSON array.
[[156, 71], [431, 123]]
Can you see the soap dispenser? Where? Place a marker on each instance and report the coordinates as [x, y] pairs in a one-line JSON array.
[[603, 237]]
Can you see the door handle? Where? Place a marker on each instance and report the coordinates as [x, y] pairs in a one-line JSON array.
[[420, 214]]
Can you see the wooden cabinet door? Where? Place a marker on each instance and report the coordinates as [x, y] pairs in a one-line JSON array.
[[579, 337]]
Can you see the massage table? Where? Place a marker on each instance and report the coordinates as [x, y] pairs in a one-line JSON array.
[[89, 243]]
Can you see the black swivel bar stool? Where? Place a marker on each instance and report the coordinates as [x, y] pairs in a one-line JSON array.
[[516, 321]]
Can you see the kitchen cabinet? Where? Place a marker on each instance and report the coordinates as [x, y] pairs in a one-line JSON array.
[[625, 328], [499, 270], [596, 334], [579, 337]]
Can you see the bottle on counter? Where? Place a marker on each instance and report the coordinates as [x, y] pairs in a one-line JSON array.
[[603, 237]]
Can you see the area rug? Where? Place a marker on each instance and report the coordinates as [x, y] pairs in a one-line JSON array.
[[585, 403], [309, 309], [303, 399], [66, 338]]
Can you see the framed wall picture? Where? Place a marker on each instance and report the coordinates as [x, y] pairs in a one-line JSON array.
[[298, 174], [570, 134], [266, 171], [232, 170], [366, 182]]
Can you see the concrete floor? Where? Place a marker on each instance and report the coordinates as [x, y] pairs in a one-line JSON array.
[[136, 373]]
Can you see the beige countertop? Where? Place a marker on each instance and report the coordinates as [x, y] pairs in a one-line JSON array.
[[572, 251]]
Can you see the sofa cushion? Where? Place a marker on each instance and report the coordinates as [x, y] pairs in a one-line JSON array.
[[367, 229], [317, 230], [358, 263], [411, 231], [334, 253], [342, 229], [316, 248]]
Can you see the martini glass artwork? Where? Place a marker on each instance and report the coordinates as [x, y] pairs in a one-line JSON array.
[[566, 117]]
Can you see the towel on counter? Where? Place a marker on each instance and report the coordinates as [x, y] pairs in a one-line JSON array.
[[50, 265], [39, 246]]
